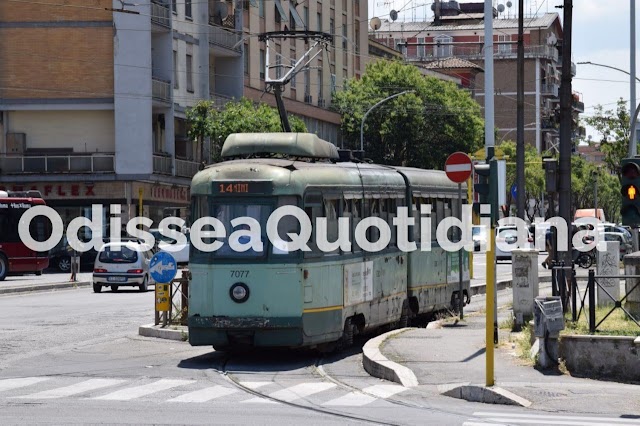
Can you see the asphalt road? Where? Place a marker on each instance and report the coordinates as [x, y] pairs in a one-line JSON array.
[[74, 357]]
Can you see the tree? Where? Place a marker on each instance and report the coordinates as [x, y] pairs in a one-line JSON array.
[[418, 129], [613, 127], [206, 121]]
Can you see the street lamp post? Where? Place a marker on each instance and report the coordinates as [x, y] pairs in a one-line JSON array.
[[632, 145], [371, 109]]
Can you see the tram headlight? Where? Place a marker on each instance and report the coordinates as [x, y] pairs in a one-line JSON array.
[[239, 292]]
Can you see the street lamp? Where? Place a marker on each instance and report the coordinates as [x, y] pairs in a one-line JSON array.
[[632, 128], [505, 135], [371, 109]]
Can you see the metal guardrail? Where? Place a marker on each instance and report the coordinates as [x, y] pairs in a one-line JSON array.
[[70, 163], [222, 37], [500, 51], [161, 90], [162, 164], [160, 13], [617, 304], [185, 168]]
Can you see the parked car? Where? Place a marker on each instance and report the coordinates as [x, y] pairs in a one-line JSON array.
[[60, 256], [124, 263], [180, 252], [479, 236], [508, 234], [626, 244]]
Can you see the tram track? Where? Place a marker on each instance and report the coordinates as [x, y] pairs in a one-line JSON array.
[[234, 381]]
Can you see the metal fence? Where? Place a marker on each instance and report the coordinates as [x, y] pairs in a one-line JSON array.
[[179, 304]]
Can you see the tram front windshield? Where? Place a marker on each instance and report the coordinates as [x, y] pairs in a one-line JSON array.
[[225, 213]]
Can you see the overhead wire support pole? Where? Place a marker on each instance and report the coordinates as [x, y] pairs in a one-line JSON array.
[[520, 177], [364, 117], [632, 75]]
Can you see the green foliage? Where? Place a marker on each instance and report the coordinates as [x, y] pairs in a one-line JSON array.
[[613, 127], [418, 129], [205, 121]]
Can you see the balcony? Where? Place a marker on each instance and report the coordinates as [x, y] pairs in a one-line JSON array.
[[476, 52], [160, 14], [549, 89], [218, 100], [185, 168], [578, 106], [161, 90], [69, 163], [227, 39], [162, 164]]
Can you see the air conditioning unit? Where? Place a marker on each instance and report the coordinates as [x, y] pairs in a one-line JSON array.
[[16, 143], [308, 98]]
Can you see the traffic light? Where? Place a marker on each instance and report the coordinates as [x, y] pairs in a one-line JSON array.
[[487, 187], [630, 190]]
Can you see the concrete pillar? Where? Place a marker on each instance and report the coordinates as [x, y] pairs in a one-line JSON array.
[[525, 283], [632, 267], [608, 263]]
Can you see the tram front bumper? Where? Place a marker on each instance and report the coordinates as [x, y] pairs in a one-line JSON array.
[[223, 331]]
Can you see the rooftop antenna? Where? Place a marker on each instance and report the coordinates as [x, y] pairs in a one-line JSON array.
[[321, 43]]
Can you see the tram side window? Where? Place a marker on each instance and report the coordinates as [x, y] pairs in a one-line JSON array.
[[331, 214], [346, 212], [391, 213], [286, 225], [356, 211], [313, 208], [373, 233], [438, 208], [415, 212]]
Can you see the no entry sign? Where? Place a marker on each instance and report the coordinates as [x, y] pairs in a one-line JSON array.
[[458, 167]]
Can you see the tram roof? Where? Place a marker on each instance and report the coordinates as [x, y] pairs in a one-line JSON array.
[[293, 177]]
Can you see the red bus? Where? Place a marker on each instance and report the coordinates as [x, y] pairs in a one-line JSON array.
[[15, 257]]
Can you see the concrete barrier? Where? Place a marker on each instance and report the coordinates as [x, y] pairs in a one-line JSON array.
[[379, 366], [610, 357]]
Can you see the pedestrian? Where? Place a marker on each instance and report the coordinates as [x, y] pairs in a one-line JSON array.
[[548, 243]]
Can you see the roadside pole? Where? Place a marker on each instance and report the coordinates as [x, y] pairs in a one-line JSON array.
[[490, 303], [473, 220], [460, 290], [140, 192]]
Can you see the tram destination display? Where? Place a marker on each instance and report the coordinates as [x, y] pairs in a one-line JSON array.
[[229, 187]]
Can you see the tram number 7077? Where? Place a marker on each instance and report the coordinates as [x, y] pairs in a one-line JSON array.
[[239, 274]]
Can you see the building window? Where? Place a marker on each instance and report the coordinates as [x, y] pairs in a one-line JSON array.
[[174, 6], [189, 73], [319, 21], [280, 15], [175, 69], [502, 46], [306, 17], [320, 86], [357, 36], [295, 19], [344, 36], [278, 65], [261, 8], [443, 49], [187, 9], [421, 51], [262, 64], [246, 59], [293, 76], [332, 30], [333, 83], [307, 82]]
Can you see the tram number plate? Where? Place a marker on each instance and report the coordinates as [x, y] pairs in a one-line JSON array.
[[239, 274]]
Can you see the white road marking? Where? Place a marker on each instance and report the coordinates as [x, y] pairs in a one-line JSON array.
[[255, 385], [296, 392], [139, 391], [555, 420], [8, 384], [86, 386], [384, 391], [352, 399], [204, 395]]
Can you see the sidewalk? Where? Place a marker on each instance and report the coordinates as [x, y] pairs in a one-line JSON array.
[[45, 282], [454, 355]]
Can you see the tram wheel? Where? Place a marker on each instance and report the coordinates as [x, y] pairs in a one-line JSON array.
[[404, 317], [347, 334], [4, 267]]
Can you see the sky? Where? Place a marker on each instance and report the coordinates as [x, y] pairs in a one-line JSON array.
[[600, 34]]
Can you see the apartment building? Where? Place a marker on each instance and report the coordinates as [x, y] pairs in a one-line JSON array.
[[458, 33], [309, 93], [93, 97]]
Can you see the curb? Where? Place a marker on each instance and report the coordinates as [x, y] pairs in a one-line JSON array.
[[482, 289], [151, 330], [379, 366], [43, 287], [487, 395]]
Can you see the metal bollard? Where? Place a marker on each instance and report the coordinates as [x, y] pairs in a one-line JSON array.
[[574, 296], [592, 301]]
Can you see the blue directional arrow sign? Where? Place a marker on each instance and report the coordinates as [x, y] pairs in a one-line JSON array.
[[514, 191], [163, 267]]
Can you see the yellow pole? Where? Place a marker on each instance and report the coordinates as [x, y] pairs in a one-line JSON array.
[[490, 307], [140, 192]]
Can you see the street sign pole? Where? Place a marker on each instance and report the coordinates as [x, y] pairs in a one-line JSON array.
[[460, 291]]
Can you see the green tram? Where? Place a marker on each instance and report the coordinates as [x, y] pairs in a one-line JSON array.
[[313, 298]]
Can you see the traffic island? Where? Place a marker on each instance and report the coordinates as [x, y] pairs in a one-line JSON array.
[[377, 365], [484, 394], [171, 332]]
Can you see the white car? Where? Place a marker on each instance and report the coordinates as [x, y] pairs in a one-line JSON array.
[[124, 263], [509, 235], [180, 252]]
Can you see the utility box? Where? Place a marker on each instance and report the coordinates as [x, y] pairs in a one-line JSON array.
[[548, 316], [608, 264], [525, 283]]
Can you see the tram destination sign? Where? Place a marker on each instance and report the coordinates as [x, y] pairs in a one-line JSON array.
[[241, 187]]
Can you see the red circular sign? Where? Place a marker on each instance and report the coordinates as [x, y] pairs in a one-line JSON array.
[[458, 167]]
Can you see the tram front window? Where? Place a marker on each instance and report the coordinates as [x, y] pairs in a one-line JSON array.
[[225, 213]]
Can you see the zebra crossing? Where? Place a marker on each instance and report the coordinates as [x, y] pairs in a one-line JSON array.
[[484, 418], [191, 391]]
